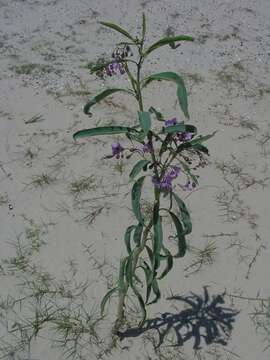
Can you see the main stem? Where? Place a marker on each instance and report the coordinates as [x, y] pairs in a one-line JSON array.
[[138, 250]]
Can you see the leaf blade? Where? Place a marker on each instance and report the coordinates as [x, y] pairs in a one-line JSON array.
[[135, 199], [169, 40], [118, 29], [102, 130], [180, 235], [138, 167]]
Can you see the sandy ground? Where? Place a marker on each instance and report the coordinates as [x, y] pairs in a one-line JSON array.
[[58, 236]]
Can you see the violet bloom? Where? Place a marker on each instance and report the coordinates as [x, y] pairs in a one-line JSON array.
[[166, 183], [171, 122], [147, 148], [184, 136], [113, 67], [117, 149]]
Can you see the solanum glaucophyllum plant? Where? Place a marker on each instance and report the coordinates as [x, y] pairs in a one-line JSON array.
[[164, 155]]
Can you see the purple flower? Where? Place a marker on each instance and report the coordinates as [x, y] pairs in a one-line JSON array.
[[170, 122], [188, 186], [116, 150], [184, 136], [147, 148], [113, 67], [166, 183]]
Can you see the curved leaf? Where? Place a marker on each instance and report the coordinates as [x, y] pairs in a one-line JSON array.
[[184, 213], [121, 279], [142, 304], [127, 237], [102, 96], [145, 121], [201, 139], [148, 277], [170, 40], [138, 167], [182, 246], [136, 197], [106, 298], [138, 233], [169, 266], [143, 26], [119, 29], [128, 271], [181, 89], [102, 130], [156, 292]]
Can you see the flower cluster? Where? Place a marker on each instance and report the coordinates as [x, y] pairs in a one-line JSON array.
[[115, 67], [165, 184]]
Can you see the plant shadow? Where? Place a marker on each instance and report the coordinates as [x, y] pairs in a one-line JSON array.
[[205, 318]]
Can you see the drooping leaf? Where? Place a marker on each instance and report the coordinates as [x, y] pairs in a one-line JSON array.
[[102, 96], [184, 213], [201, 148], [138, 167], [168, 41], [127, 237], [180, 236], [201, 139], [181, 89], [156, 291], [138, 233], [128, 270], [158, 114], [136, 197], [179, 128], [168, 256], [145, 121], [103, 130], [106, 298], [119, 29], [149, 278]]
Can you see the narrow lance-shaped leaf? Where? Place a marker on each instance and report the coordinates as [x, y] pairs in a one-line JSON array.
[[102, 96], [169, 258], [127, 237], [106, 298], [201, 139], [121, 279], [138, 167], [143, 26], [142, 304], [156, 291], [136, 197], [184, 213], [119, 29], [103, 130], [145, 121], [180, 235], [170, 40], [138, 233], [181, 89]]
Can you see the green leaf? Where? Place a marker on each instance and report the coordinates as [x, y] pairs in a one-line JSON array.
[[165, 144], [102, 130], [169, 258], [138, 167], [180, 235], [156, 292], [119, 29], [138, 233], [149, 278], [158, 114], [128, 271], [170, 40], [136, 197], [201, 139], [127, 237], [143, 26], [145, 121], [179, 128], [137, 136], [181, 89], [106, 298], [185, 217], [102, 96], [201, 148], [142, 304]]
